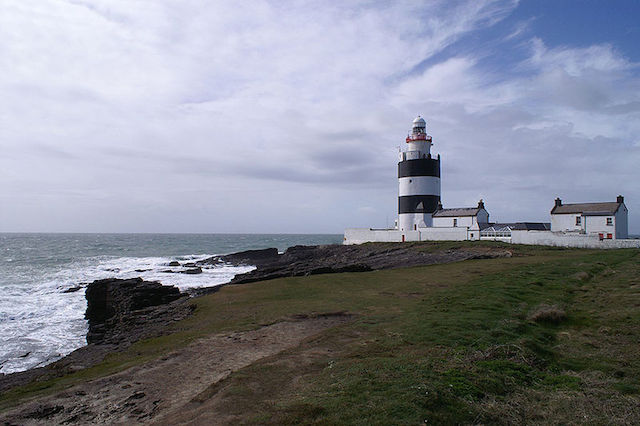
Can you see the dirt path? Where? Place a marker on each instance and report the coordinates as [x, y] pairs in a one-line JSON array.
[[159, 389]]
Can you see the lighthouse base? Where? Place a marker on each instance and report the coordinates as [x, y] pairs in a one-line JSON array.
[[414, 221]]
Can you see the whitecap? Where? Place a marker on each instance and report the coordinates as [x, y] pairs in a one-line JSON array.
[[47, 323]]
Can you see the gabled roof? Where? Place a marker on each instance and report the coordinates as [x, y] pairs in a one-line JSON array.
[[462, 211], [590, 209]]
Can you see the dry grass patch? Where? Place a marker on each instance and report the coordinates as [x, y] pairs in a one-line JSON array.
[[547, 313], [581, 276]]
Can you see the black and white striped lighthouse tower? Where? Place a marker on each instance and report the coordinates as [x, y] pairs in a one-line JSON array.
[[419, 180]]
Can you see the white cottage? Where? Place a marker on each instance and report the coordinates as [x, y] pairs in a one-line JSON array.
[[473, 218], [608, 219]]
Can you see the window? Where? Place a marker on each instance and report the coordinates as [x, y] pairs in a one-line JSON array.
[[455, 222], [609, 221], [578, 221]]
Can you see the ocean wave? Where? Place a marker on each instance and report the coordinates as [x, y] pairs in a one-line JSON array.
[[42, 320]]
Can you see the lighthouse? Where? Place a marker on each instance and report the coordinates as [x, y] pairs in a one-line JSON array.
[[418, 180]]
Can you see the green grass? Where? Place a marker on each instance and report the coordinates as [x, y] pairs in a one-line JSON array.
[[438, 344]]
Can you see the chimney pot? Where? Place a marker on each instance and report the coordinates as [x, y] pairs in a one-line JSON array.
[[620, 199], [558, 202], [481, 204]]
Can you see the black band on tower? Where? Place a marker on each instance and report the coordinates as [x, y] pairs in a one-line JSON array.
[[420, 167], [418, 203]]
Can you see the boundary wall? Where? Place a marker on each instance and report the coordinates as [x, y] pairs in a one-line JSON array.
[[561, 239], [540, 238], [367, 235]]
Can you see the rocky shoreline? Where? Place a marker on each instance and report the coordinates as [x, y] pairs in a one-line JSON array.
[[312, 260], [123, 311]]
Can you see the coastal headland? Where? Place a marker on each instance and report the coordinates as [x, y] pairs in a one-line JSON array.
[[453, 332]]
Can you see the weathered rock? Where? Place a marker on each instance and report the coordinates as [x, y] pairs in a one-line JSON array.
[[248, 257], [312, 260], [112, 302], [192, 271], [173, 263]]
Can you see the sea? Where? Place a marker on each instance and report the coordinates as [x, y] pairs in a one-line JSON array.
[[42, 317]]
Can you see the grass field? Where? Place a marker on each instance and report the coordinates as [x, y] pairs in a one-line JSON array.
[[546, 336]]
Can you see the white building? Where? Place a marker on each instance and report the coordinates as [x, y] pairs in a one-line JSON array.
[[608, 219], [473, 218]]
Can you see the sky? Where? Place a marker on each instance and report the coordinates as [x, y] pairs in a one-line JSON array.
[[286, 116]]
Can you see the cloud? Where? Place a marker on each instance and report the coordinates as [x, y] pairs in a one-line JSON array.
[[156, 106], [577, 61]]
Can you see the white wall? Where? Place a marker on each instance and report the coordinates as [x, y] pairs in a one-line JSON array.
[[598, 224], [445, 234], [446, 222], [565, 222], [559, 239], [545, 238], [464, 221], [365, 235], [411, 221]]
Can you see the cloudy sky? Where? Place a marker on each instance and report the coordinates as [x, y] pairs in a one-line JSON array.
[[286, 116]]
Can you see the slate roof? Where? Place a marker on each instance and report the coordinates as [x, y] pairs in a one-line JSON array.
[[531, 226], [588, 209], [462, 211], [519, 226]]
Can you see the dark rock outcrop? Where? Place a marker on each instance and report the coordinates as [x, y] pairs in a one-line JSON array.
[[312, 260], [116, 306], [247, 257]]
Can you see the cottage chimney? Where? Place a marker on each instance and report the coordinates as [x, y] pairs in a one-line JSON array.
[[620, 199], [558, 202], [481, 204], [439, 205]]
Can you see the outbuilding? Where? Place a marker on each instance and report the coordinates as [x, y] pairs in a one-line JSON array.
[[470, 217], [607, 219]]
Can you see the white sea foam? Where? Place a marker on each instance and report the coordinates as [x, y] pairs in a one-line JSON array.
[[40, 323]]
